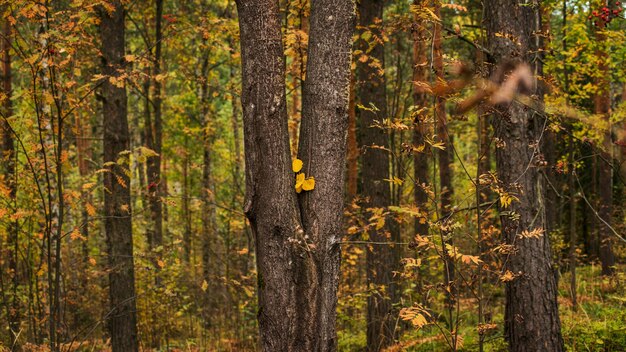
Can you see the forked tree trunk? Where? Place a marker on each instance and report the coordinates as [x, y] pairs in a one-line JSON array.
[[122, 320], [297, 236], [531, 314]]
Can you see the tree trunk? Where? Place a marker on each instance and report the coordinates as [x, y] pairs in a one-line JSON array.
[[186, 201], [209, 213], [297, 236], [122, 320], [7, 158], [531, 313], [444, 158], [154, 132], [382, 260], [602, 106], [420, 130]]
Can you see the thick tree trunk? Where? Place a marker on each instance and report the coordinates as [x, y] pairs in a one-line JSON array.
[[382, 260], [122, 320], [297, 237], [531, 314]]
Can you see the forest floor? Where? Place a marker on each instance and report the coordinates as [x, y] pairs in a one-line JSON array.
[[597, 324]]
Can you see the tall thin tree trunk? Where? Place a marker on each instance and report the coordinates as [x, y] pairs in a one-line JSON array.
[[8, 159], [420, 131], [122, 320], [83, 151], [571, 184], [531, 314], [382, 260], [444, 158], [297, 236], [602, 106], [209, 214], [154, 132], [186, 201]]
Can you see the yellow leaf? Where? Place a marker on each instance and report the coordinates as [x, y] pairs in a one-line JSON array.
[[243, 251], [160, 263], [417, 315], [380, 223], [77, 235], [438, 145], [507, 276], [160, 77], [205, 286], [308, 184], [92, 261], [299, 181], [296, 165], [90, 209], [536, 233]]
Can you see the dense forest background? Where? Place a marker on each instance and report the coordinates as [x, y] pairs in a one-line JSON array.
[[187, 175]]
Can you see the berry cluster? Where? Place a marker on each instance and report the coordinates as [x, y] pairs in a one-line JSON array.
[[605, 15]]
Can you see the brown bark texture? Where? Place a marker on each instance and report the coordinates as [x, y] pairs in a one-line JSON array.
[[154, 140], [122, 317], [420, 129], [531, 313], [297, 235]]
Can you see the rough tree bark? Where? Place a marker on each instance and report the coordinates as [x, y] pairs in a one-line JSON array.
[[531, 313], [297, 236], [382, 260], [353, 149], [122, 318]]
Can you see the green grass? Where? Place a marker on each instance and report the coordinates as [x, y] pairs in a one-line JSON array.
[[597, 325]]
